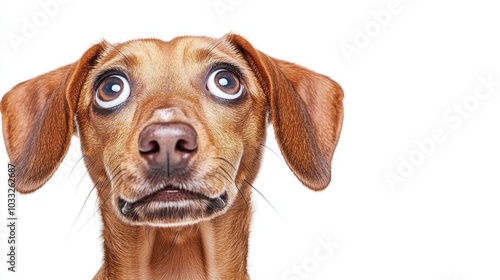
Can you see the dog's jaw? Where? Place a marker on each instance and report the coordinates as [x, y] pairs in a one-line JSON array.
[[211, 249]]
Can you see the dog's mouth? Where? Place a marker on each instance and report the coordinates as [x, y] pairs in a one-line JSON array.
[[172, 206]]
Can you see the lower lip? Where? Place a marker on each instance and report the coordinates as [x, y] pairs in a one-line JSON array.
[[172, 195]]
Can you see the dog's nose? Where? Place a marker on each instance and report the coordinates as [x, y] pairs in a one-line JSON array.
[[168, 146]]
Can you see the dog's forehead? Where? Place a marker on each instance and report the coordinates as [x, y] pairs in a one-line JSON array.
[[181, 51]]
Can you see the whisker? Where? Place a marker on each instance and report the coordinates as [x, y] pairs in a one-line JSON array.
[[176, 235], [124, 56], [81, 180], [275, 153], [232, 183], [74, 166], [81, 209], [227, 161], [227, 173], [241, 193], [114, 175], [254, 188], [224, 176], [215, 45], [83, 176], [218, 178], [99, 205], [148, 232], [121, 174]]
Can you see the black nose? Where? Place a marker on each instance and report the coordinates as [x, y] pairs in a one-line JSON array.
[[168, 146]]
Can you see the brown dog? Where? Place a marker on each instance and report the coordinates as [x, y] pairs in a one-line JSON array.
[[172, 134]]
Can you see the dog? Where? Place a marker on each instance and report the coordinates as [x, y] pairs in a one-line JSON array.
[[172, 134]]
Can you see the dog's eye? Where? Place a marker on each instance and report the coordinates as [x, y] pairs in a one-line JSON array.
[[224, 84], [112, 91]]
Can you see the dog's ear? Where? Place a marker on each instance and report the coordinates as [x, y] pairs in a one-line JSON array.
[[306, 112], [38, 120]]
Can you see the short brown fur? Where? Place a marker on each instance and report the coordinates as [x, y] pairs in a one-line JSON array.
[[168, 79]]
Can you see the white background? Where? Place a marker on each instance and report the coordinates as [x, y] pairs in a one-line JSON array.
[[441, 223]]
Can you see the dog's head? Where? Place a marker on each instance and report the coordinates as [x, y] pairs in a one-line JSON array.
[[172, 132]]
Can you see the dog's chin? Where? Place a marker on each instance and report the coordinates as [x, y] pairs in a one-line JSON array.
[[171, 207]]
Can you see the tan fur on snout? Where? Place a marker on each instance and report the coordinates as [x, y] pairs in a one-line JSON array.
[[186, 217]]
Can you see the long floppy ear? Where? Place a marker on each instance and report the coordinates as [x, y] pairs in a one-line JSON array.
[[37, 120], [306, 113]]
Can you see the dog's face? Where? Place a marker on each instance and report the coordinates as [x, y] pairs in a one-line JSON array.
[[172, 132], [172, 124]]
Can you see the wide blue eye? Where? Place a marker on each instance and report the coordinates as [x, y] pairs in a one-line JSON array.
[[224, 84], [112, 91]]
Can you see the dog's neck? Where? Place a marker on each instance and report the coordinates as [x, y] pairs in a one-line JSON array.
[[215, 249]]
